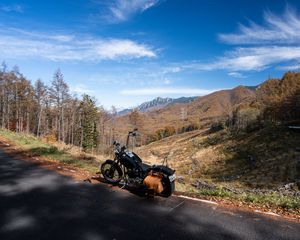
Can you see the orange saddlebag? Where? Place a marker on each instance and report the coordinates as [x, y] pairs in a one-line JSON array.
[[153, 182]]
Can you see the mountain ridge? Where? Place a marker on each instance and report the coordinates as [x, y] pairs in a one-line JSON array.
[[157, 103]]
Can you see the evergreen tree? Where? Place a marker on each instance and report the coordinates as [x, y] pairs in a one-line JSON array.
[[88, 112]]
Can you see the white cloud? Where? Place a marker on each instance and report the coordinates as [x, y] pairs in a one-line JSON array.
[[277, 42], [81, 89], [62, 38], [236, 75], [36, 35], [274, 43], [116, 48], [167, 81], [275, 30], [166, 91], [251, 59], [15, 43], [122, 10], [173, 69], [290, 67], [12, 8]]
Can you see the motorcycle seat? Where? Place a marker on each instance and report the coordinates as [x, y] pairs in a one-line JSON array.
[[145, 167]]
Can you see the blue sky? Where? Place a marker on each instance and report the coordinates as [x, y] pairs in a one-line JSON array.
[[125, 52]]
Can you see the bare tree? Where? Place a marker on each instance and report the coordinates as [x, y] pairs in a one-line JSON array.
[[40, 95], [59, 93]]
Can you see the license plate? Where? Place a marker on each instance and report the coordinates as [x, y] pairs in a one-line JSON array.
[[172, 178]]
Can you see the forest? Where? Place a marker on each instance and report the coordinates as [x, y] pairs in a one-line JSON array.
[[54, 113]]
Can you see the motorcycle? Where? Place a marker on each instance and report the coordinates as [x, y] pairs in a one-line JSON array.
[[127, 167]]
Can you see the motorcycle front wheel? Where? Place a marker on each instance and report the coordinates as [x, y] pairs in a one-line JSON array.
[[111, 172]]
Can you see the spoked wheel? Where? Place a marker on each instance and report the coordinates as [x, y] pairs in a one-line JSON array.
[[111, 172]]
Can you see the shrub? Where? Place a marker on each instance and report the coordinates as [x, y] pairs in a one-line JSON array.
[[165, 132], [50, 138], [217, 126], [188, 128]]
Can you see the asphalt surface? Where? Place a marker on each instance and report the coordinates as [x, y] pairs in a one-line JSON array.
[[36, 203]]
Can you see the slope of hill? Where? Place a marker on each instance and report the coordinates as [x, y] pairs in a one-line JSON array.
[[260, 153], [268, 158], [199, 112]]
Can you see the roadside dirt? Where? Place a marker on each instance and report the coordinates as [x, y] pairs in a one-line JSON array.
[[81, 175]]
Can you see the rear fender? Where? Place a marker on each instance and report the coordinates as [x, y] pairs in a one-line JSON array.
[[163, 169]]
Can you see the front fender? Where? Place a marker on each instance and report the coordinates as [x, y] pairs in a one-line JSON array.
[[109, 161]]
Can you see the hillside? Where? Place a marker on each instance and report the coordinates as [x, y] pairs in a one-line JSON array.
[[265, 159], [242, 141], [199, 113]]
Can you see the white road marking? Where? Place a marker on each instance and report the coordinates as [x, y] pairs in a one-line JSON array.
[[211, 202], [198, 199], [178, 205], [268, 213]]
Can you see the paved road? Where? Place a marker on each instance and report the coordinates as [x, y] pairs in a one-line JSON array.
[[39, 204]]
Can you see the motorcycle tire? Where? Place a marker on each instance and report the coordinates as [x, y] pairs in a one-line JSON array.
[[111, 172]]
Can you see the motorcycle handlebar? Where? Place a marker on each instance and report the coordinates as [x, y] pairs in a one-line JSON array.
[[118, 146]]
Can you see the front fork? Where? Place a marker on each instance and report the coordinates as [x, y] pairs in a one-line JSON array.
[[124, 177]]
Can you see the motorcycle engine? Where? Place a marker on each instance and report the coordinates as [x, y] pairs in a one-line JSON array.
[[135, 181], [134, 178]]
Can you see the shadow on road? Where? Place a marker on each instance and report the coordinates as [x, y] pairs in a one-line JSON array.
[[36, 203]]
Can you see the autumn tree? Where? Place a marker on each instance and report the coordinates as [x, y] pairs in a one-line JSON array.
[[113, 116], [280, 98], [40, 96], [49, 112], [135, 118], [59, 93]]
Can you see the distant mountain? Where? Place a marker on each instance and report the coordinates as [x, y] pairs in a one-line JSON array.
[[157, 103], [124, 111]]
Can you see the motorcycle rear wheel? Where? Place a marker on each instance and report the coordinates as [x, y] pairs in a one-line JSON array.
[[169, 187], [111, 172]]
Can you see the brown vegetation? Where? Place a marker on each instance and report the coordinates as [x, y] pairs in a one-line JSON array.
[[200, 113]]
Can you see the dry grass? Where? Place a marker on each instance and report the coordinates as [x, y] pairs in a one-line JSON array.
[[58, 151], [262, 159]]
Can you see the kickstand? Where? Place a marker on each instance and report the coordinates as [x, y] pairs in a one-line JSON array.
[[124, 184]]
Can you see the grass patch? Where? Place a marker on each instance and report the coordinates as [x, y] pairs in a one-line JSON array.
[[39, 148], [272, 200], [218, 192], [269, 200], [23, 140], [275, 200]]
